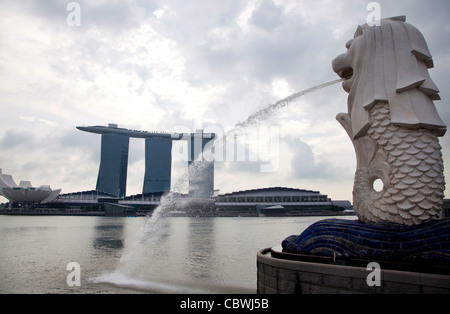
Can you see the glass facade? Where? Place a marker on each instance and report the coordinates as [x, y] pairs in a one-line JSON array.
[[273, 195], [112, 174], [158, 165], [201, 171]]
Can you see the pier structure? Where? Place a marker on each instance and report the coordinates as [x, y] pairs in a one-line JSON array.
[[112, 174]]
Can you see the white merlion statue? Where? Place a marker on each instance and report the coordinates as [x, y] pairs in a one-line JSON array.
[[393, 123]]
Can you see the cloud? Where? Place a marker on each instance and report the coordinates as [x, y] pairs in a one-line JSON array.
[[267, 15], [40, 120], [15, 139], [306, 165], [162, 65]]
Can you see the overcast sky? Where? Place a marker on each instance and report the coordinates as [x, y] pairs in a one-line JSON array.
[[184, 65]]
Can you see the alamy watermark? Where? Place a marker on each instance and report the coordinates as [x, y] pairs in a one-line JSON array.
[[374, 277], [260, 145], [374, 17], [74, 17], [74, 277]]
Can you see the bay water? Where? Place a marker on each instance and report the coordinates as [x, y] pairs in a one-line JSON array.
[[191, 255]]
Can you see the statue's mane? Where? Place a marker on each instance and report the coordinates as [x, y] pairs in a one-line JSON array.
[[394, 70]]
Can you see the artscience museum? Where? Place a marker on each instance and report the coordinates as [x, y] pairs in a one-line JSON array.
[[25, 193]]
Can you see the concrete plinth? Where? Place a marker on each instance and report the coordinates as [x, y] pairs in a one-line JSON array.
[[283, 276]]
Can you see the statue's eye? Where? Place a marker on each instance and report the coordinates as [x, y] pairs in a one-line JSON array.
[[359, 31]]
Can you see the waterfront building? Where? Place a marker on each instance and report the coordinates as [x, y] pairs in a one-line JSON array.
[[112, 175], [25, 193], [273, 201], [158, 164], [84, 197], [200, 169], [278, 201]]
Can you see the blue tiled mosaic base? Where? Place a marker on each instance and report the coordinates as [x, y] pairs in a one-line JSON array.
[[389, 242]]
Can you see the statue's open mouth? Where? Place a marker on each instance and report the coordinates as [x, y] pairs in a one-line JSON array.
[[346, 73]]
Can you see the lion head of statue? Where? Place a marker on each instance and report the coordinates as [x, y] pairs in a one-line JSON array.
[[389, 64]]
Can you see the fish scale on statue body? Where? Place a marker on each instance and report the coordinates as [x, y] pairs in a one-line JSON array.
[[418, 202]]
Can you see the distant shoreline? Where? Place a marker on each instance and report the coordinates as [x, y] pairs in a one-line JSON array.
[[40, 212], [48, 213]]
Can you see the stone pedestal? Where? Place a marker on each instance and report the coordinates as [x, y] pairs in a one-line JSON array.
[[283, 273]]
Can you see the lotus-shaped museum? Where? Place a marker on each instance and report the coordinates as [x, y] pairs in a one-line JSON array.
[[25, 192]]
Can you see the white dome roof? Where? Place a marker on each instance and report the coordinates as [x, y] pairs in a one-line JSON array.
[[25, 193]]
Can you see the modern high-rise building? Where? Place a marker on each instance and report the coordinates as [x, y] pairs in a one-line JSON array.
[[158, 164], [112, 174], [201, 169]]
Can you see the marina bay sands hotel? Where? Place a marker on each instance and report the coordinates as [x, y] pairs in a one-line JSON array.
[[112, 174]]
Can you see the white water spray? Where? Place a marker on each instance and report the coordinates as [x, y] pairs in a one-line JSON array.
[[265, 113]]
